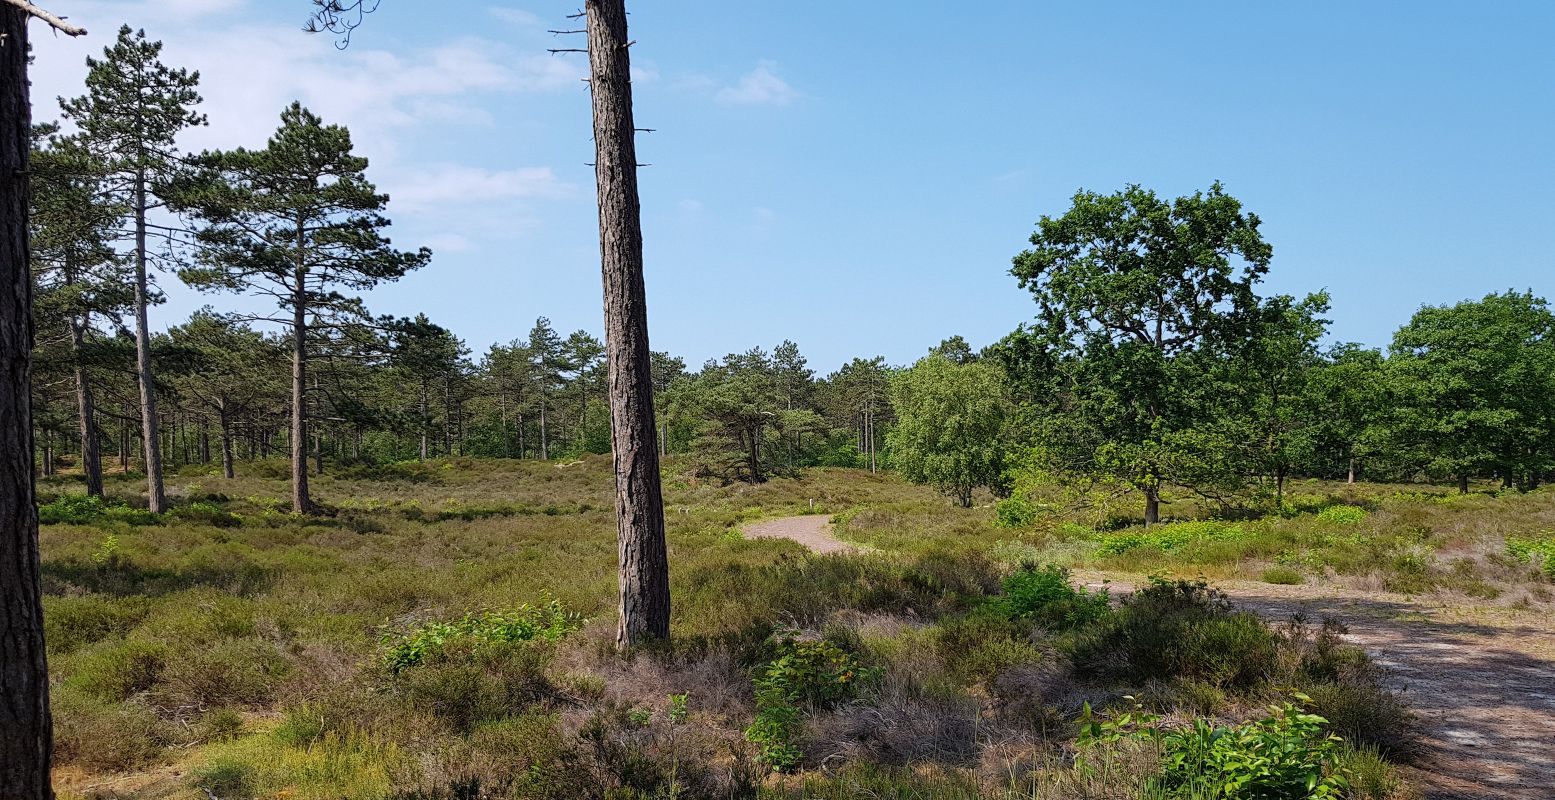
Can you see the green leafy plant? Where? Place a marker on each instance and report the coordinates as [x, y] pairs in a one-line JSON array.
[[806, 674], [1284, 756], [1537, 550], [1342, 515], [1170, 537], [548, 623], [1045, 596]]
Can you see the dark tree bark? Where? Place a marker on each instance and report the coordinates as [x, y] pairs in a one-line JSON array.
[[645, 591], [302, 503], [25, 731]]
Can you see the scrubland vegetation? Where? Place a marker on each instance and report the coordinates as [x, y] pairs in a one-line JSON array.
[[444, 630]]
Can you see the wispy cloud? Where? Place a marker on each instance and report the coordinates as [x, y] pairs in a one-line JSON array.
[[760, 86], [515, 16], [428, 188]]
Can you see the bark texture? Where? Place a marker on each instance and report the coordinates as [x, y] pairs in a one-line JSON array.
[[25, 730], [645, 592]]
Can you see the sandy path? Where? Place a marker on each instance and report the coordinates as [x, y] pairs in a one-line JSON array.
[[1483, 684], [811, 530]]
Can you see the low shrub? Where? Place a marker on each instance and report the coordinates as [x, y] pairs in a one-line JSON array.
[[206, 513], [1284, 756], [73, 622], [71, 509], [1170, 537], [806, 675], [1342, 515], [1016, 512], [549, 622], [110, 737], [1182, 629], [1045, 597], [1537, 551]]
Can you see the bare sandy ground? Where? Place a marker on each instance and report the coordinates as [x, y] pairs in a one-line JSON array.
[[1481, 680], [811, 530]]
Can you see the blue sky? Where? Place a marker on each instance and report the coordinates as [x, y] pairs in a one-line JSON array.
[[857, 179]]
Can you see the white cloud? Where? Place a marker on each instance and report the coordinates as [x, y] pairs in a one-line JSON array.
[[760, 86], [448, 243], [426, 189], [515, 16]]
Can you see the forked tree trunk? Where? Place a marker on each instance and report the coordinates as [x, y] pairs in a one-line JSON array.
[[645, 589], [156, 497], [26, 740]]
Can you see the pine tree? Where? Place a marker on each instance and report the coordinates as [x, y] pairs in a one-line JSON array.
[[133, 110], [546, 357], [299, 222], [76, 270]]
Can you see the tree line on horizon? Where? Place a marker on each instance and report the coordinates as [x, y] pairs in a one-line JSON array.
[[1152, 361]]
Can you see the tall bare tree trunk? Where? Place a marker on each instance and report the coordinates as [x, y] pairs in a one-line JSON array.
[[1350, 478], [86, 407], [426, 422], [301, 502], [645, 588], [156, 496], [26, 742], [545, 447], [225, 421]]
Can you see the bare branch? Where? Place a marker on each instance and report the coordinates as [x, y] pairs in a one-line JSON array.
[[566, 50], [55, 22]]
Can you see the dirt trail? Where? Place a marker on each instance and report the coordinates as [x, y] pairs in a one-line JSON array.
[[1482, 680], [811, 530]]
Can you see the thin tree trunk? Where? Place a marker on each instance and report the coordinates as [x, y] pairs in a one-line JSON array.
[[86, 407], [1463, 483], [1152, 506], [156, 497], [1350, 478], [301, 502], [545, 447], [26, 742], [644, 562], [227, 467], [426, 423]]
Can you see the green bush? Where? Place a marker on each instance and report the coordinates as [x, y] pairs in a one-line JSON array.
[[71, 509], [114, 670], [208, 514], [1044, 596], [1015, 512], [805, 675], [979, 646], [1285, 756], [112, 737], [549, 623], [1178, 629], [1537, 551], [1342, 515], [73, 622]]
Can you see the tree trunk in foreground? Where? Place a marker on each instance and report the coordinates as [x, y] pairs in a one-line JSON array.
[[26, 739], [645, 590]]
